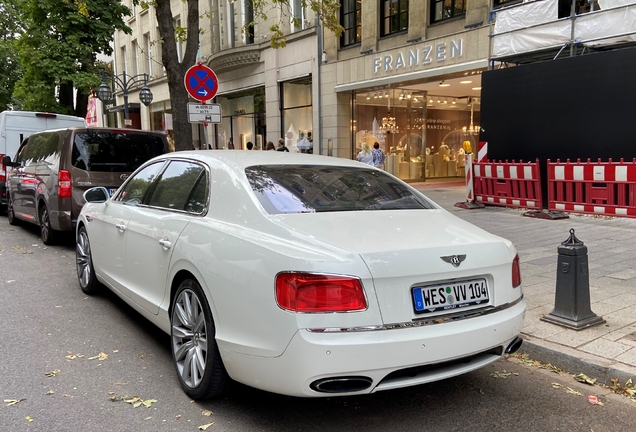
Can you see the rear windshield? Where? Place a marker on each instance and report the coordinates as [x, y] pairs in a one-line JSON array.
[[114, 151], [315, 188]]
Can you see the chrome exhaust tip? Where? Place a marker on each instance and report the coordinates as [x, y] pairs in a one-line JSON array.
[[514, 345], [341, 384]]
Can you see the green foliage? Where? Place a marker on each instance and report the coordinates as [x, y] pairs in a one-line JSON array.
[[10, 68], [57, 48]]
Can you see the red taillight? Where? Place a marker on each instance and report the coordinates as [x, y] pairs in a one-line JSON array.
[[516, 272], [64, 184], [3, 176], [303, 292]]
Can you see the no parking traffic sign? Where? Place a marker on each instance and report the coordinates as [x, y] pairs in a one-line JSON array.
[[201, 82]]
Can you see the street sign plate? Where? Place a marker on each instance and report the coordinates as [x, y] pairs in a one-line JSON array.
[[204, 113], [201, 82]]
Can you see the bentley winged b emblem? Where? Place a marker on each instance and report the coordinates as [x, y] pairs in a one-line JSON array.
[[455, 260]]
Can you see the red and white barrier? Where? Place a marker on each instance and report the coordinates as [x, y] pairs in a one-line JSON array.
[[600, 188], [510, 184]]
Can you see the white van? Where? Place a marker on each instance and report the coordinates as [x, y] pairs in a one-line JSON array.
[[15, 126]]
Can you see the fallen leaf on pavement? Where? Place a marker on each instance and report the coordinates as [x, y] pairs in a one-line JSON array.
[[73, 356], [574, 392], [585, 379], [10, 402], [100, 356], [207, 413], [501, 374], [50, 392], [29, 419], [557, 386], [205, 426], [52, 373]]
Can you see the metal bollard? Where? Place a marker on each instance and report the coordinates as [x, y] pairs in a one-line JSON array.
[[572, 300]]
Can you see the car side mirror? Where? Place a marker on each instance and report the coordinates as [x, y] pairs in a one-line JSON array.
[[6, 161], [96, 195]]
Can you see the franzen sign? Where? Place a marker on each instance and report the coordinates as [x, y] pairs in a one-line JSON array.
[[417, 56]]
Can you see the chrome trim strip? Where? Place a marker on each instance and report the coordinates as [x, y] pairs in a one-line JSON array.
[[422, 322]]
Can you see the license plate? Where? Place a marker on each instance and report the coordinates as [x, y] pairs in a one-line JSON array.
[[454, 295]]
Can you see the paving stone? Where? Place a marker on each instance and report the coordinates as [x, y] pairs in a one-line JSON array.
[[605, 348]]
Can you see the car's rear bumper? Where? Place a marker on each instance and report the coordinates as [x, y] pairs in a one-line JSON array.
[[313, 356]]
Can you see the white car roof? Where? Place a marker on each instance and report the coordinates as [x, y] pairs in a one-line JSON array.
[[241, 159]]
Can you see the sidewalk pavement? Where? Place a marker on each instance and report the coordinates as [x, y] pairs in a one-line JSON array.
[[604, 351]]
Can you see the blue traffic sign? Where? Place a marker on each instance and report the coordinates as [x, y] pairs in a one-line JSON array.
[[201, 82]]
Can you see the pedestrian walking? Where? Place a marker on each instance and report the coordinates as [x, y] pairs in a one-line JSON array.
[[378, 156], [365, 155], [270, 146], [250, 146], [281, 146]]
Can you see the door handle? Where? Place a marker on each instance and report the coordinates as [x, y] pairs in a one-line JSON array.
[[165, 243], [121, 227]]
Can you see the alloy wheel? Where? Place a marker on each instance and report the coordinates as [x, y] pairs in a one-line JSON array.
[[83, 260], [189, 338]]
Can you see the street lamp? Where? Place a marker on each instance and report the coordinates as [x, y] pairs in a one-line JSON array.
[[104, 93]]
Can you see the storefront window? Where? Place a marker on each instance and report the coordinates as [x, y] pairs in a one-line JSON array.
[[297, 115], [243, 120], [422, 135]]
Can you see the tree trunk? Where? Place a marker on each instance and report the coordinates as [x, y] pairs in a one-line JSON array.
[[65, 97], [176, 70]]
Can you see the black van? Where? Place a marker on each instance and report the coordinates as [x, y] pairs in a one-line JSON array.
[[52, 169]]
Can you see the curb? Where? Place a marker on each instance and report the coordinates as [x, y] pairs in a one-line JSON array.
[[573, 361]]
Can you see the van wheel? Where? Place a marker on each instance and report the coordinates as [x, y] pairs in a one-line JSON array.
[[194, 349], [46, 232], [10, 213]]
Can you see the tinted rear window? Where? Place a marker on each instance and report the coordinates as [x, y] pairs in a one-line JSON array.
[[314, 188], [114, 151]]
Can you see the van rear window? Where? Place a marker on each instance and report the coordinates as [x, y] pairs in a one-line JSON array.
[[114, 151]]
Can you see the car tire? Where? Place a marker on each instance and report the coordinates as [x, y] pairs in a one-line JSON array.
[[47, 233], [11, 214], [84, 264], [195, 352]]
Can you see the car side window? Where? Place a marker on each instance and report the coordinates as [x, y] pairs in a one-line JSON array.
[[136, 187], [198, 198], [176, 185]]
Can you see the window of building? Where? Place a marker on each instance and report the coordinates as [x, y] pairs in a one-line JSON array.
[[445, 9], [297, 115], [351, 20], [135, 65], [124, 59], [243, 120], [177, 25], [298, 15], [230, 24], [248, 21], [148, 49], [394, 16]]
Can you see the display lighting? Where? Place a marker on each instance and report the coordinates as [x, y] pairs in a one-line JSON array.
[[389, 124], [408, 95], [368, 96], [444, 84], [386, 94], [472, 129], [375, 95]]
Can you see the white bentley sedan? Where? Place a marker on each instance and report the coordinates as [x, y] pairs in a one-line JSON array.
[[300, 274]]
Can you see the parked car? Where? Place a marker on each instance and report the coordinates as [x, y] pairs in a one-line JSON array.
[[17, 125], [52, 169], [300, 274]]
